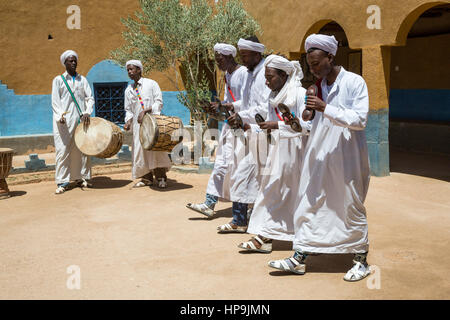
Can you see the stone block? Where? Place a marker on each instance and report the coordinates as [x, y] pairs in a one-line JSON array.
[[34, 164]]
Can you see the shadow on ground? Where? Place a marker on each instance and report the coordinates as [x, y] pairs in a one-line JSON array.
[[17, 193], [172, 185], [103, 182], [436, 166]]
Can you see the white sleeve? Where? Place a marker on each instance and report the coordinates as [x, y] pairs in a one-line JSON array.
[[56, 100], [127, 106], [157, 98], [88, 97], [353, 114], [260, 106]]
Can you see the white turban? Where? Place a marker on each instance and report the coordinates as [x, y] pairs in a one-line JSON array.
[[250, 45], [322, 41], [288, 94], [278, 62], [67, 54], [225, 49], [135, 63]]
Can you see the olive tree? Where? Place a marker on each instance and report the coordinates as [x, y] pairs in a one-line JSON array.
[[178, 39]]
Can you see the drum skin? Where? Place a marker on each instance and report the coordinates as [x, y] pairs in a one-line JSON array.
[[155, 133], [6, 156], [102, 139]]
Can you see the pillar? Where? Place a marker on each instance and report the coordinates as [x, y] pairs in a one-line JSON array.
[[376, 68]]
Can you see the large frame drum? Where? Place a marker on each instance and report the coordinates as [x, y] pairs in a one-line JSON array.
[[102, 139], [156, 131], [6, 156]]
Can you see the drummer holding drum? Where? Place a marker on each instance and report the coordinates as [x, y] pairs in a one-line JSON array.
[[72, 102], [144, 97]]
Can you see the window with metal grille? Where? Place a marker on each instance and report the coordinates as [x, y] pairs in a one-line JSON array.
[[109, 101]]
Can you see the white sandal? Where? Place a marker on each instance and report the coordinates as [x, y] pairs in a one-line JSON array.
[[357, 272], [201, 208], [162, 183], [266, 247], [290, 264], [60, 190], [227, 228], [143, 183], [84, 184]]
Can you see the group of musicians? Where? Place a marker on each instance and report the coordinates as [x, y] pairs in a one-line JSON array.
[[293, 162], [72, 102]]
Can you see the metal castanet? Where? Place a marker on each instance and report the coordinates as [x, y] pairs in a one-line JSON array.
[[289, 118], [308, 113], [259, 118]]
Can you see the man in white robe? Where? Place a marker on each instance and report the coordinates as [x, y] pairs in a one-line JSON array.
[[142, 97], [244, 166], [272, 216], [71, 164], [219, 181], [330, 216]]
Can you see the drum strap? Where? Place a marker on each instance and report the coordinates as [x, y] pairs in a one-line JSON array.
[[73, 97], [140, 98]]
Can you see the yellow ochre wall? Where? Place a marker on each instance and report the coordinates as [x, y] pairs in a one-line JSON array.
[[287, 23], [30, 61]]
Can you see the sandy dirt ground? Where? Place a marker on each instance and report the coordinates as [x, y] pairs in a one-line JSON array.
[[144, 244]]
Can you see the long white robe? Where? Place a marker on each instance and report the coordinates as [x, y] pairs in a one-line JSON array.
[[70, 163], [244, 167], [330, 215], [144, 161], [272, 215], [219, 181]]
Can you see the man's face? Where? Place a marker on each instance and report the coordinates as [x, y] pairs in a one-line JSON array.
[[250, 59], [221, 61], [71, 64], [274, 80], [319, 63], [134, 72]]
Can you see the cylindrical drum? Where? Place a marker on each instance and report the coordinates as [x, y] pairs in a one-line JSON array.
[[156, 131], [101, 139], [6, 156]]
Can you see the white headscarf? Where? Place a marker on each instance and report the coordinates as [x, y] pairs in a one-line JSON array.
[[67, 54], [288, 94], [136, 63], [322, 41], [225, 49], [250, 45]]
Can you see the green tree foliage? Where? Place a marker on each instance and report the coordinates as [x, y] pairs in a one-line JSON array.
[[167, 35]]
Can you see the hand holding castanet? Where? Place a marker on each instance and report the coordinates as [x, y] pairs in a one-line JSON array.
[[308, 113]]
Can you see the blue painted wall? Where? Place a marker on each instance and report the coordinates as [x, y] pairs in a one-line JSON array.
[[377, 135], [32, 114], [423, 105]]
